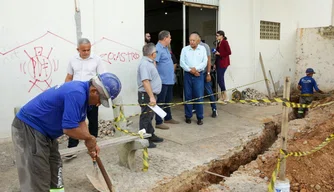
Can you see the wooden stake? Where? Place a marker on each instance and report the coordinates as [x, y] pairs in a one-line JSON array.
[[272, 80], [265, 76], [285, 126]]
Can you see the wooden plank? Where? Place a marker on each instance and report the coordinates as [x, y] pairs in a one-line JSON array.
[[102, 144], [285, 127], [272, 80], [265, 77]]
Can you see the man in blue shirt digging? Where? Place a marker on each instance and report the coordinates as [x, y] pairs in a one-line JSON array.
[[306, 85], [58, 110]]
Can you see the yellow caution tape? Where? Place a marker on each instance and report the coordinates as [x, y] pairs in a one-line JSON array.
[[285, 103], [295, 154]]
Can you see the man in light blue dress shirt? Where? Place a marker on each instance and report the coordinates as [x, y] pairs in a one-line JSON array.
[[193, 61], [165, 66]]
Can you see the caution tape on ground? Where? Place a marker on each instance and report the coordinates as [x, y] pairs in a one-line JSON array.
[[120, 118], [286, 154]]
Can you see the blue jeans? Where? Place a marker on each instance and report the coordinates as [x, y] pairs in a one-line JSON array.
[[208, 90], [165, 96], [193, 88]]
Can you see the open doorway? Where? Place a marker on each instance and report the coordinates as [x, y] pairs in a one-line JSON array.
[[180, 19]]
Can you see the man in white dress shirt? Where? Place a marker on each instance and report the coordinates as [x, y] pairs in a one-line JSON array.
[[82, 67]]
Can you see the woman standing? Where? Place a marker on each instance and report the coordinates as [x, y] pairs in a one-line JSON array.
[[222, 62]]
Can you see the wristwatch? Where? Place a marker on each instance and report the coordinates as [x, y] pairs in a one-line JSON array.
[[208, 73]]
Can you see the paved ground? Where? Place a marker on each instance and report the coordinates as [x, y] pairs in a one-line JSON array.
[[185, 147]]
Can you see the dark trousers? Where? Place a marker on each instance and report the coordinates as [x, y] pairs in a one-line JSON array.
[[38, 160], [208, 90], [220, 78], [93, 125], [304, 100], [193, 88], [146, 116], [165, 96]]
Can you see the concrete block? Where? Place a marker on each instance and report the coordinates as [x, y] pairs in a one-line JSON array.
[[126, 152]]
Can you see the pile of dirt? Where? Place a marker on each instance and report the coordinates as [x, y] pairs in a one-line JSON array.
[[314, 172]]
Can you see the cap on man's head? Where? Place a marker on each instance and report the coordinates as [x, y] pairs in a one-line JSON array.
[[108, 85], [310, 70]]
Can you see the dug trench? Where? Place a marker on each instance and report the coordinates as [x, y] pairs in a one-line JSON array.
[[199, 178]]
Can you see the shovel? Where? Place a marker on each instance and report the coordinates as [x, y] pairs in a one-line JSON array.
[[101, 182]]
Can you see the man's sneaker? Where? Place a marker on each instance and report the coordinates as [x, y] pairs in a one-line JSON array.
[[156, 139], [193, 111], [172, 121], [151, 144], [69, 157], [214, 114], [161, 126]]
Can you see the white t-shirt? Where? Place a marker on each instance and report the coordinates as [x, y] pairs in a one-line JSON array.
[[85, 69]]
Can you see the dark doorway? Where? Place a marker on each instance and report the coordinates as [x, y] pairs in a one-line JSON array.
[[167, 15]]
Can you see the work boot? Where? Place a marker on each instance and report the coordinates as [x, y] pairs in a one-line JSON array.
[[214, 114], [156, 139], [161, 126], [172, 121]]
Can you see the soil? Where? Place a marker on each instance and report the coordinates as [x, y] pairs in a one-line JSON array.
[[314, 172], [199, 180]]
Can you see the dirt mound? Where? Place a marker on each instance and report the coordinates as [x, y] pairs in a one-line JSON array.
[[314, 172]]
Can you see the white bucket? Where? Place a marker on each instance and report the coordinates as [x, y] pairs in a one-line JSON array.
[[282, 186]]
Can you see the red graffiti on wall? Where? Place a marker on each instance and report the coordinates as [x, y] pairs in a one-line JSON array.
[[122, 57], [40, 68]]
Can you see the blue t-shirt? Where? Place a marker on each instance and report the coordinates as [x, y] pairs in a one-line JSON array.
[[308, 83], [60, 107], [165, 65]]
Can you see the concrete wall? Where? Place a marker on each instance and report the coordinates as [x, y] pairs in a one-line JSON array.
[[240, 19], [45, 30], [315, 49]]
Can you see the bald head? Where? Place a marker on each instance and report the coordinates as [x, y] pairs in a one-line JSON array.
[[194, 40]]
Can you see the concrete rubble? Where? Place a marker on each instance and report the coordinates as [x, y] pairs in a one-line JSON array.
[[249, 94], [106, 130]]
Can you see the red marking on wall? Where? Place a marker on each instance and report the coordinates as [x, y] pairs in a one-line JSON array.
[[40, 67], [113, 57], [24, 44], [104, 38]]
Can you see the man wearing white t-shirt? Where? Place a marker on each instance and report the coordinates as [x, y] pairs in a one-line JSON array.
[[82, 67]]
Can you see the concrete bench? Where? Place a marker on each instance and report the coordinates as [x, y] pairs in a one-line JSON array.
[[127, 147], [127, 144]]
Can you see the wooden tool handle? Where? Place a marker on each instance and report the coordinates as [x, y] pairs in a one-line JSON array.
[[104, 173]]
